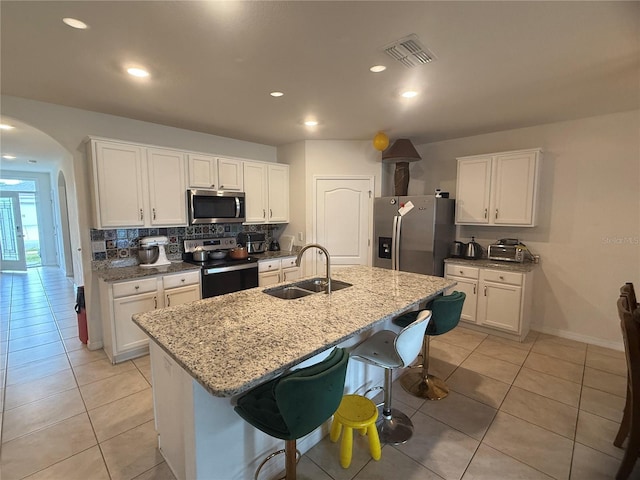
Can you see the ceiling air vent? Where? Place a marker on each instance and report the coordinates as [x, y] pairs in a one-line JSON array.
[[409, 51]]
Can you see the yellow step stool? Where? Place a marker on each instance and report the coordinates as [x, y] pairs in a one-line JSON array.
[[355, 411]]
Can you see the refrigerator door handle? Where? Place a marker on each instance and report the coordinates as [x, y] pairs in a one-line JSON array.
[[396, 240], [393, 242]]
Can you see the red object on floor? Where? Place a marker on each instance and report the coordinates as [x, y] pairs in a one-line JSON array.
[[83, 333]]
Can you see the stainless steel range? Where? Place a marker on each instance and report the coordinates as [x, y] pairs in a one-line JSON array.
[[221, 275]]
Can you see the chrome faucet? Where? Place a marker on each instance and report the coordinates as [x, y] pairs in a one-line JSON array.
[[326, 254]]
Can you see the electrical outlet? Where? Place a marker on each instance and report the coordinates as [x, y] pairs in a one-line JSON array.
[[300, 237]]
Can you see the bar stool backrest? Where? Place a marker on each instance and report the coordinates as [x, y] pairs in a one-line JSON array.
[[446, 311], [409, 341]]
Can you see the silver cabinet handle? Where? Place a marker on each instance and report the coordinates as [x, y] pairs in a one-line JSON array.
[[213, 185], [221, 187], [168, 301], [141, 215], [501, 277], [461, 272], [496, 213], [155, 302], [485, 291], [474, 289], [154, 213], [137, 287], [183, 280], [270, 213], [264, 213]]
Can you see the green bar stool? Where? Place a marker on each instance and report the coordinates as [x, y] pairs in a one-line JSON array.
[[291, 406], [446, 311]]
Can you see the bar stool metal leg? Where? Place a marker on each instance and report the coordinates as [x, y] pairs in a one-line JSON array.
[[394, 427], [419, 383]]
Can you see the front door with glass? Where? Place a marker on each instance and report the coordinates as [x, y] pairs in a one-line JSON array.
[[12, 253]]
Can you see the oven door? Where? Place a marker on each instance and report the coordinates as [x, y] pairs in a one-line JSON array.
[[220, 280]]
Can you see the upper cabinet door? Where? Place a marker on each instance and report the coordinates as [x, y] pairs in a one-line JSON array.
[[203, 171], [230, 174], [278, 194], [473, 190], [118, 183], [515, 188], [167, 187], [255, 185]]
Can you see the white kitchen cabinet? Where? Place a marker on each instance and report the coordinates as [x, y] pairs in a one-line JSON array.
[[266, 192], [256, 192], [123, 339], [498, 189], [230, 175], [118, 179], [167, 187], [136, 186], [467, 278], [497, 302], [203, 171], [278, 270]]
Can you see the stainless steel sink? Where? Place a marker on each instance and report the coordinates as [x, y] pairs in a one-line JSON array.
[[319, 284], [304, 288], [287, 292]]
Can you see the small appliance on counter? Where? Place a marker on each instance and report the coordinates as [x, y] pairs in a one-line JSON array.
[[275, 246], [510, 250], [473, 250], [457, 249], [152, 253], [253, 241]]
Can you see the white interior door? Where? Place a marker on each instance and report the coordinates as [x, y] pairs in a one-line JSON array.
[[12, 254], [342, 219]]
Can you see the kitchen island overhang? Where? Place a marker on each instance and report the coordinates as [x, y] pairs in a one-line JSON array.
[[205, 353], [234, 342]]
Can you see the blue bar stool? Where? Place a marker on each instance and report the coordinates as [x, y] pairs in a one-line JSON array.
[[291, 406], [446, 311], [387, 350]]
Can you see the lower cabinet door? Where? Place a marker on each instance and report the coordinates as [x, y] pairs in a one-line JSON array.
[[128, 334], [177, 296], [470, 288], [499, 306], [290, 274], [268, 278]]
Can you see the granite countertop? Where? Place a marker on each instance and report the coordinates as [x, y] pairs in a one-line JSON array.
[[495, 264], [235, 342], [269, 255], [117, 274]]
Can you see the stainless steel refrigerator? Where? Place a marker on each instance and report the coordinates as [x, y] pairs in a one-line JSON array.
[[417, 241]]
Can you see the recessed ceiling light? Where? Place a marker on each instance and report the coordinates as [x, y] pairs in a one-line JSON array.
[[32, 161], [137, 72], [75, 23], [409, 94], [4, 126], [9, 157], [276, 94], [311, 123], [378, 68]]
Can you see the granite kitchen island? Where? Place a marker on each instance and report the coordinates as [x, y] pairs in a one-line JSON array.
[[205, 353]]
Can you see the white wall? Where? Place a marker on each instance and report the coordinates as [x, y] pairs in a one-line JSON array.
[[323, 157], [589, 224], [70, 127]]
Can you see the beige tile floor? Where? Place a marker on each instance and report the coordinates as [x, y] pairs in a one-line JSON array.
[[547, 408]]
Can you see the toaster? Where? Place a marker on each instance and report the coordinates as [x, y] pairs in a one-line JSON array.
[[509, 250], [255, 242]]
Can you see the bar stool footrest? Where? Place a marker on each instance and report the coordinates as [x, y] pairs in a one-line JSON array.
[[272, 455]]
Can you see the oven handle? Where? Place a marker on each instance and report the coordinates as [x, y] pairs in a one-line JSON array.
[[213, 271]]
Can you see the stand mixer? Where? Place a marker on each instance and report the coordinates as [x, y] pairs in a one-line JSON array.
[[159, 243]]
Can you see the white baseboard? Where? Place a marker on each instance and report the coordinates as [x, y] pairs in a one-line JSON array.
[[579, 338]]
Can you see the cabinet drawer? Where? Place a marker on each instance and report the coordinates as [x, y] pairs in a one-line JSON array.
[[268, 265], [132, 288], [180, 279], [500, 276], [462, 271], [288, 262]]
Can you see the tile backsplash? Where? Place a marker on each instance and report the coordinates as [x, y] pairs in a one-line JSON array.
[[120, 246]]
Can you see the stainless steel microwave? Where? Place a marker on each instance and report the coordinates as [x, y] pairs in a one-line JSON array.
[[215, 206]]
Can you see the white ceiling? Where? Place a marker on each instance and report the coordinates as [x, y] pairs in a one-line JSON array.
[[500, 65]]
